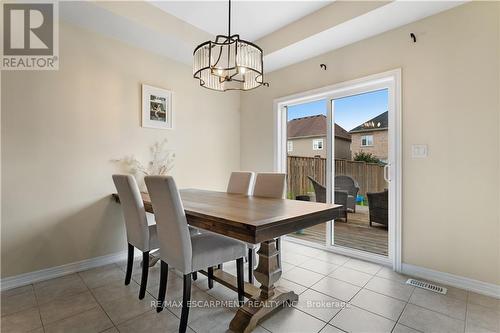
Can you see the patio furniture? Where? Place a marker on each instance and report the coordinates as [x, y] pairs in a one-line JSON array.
[[319, 190], [341, 197], [346, 183], [378, 205]]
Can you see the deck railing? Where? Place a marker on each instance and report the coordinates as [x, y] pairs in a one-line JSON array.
[[370, 176]]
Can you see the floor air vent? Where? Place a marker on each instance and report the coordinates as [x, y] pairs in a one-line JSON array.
[[427, 286]]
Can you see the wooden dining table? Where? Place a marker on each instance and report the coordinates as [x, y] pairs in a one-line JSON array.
[[255, 220]]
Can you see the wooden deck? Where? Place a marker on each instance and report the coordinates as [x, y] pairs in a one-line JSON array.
[[356, 233]]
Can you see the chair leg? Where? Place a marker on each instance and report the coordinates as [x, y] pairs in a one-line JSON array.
[[241, 284], [163, 286], [250, 265], [195, 276], [220, 266], [144, 277], [278, 247], [210, 277], [130, 264], [186, 298]]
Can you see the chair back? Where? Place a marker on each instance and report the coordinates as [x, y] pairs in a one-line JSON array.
[[132, 205], [319, 190], [378, 206], [341, 199], [171, 222], [346, 183], [270, 185], [240, 182]]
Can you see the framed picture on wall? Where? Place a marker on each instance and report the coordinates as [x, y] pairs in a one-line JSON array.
[[156, 107]]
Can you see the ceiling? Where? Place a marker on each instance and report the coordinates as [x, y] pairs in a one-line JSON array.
[[175, 30], [250, 19], [372, 23]]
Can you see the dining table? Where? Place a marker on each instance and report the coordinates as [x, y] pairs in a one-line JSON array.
[[255, 220]]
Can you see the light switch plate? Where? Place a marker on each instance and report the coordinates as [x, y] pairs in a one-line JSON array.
[[419, 151]]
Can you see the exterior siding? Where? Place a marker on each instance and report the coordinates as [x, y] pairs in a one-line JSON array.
[[304, 147], [380, 144]]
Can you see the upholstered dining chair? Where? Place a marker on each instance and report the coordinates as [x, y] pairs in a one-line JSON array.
[[140, 227], [187, 253], [240, 182], [267, 185]]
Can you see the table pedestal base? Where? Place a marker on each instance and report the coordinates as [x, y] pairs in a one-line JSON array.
[[256, 310], [270, 298]]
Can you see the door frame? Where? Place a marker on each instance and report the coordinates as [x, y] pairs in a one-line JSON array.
[[390, 80]]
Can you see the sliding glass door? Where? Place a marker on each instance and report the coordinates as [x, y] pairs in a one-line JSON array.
[[339, 146], [306, 148], [360, 156]]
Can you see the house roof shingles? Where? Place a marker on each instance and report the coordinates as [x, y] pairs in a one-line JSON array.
[[380, 122], [313, 126]]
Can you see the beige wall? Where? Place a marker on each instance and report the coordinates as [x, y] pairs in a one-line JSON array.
[[60, 130], [380, 144], [450, 102]]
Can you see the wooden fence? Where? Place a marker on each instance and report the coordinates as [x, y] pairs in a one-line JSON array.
[[370, 176]]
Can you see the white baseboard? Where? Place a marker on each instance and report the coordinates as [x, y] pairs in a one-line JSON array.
[[53, 272], [11, 282], [461, 282]]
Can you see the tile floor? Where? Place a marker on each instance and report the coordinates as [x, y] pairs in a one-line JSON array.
[[336, 294]]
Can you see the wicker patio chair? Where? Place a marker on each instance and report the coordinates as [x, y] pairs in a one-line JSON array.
[[340, 196], [346, 183], [378, 206]]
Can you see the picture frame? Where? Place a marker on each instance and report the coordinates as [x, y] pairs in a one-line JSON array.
[[156, 107]]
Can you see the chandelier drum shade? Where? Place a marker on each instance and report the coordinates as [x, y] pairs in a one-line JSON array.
[[228, 63]]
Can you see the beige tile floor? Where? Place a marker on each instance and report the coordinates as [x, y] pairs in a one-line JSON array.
[[336, 294]]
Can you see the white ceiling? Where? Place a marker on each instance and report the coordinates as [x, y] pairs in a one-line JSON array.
[[259, 19], [250, 19], [382, 19]]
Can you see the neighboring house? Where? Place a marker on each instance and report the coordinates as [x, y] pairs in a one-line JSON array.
[[307, 137], [372, 137]]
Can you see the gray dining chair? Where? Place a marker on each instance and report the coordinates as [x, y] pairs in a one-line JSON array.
[[267, 185], [240, 182], [185, 252], [140, 227]]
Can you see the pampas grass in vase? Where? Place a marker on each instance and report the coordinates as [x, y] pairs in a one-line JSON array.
[[162, 161]]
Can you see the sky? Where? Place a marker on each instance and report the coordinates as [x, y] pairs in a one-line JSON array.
[[350, 111]]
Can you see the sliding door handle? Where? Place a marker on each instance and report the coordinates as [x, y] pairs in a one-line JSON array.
[[387, 171]]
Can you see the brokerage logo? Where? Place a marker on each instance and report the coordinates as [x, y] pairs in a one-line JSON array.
[[30, 36]]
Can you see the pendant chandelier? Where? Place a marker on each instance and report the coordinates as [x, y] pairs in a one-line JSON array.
[[229, 63]]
